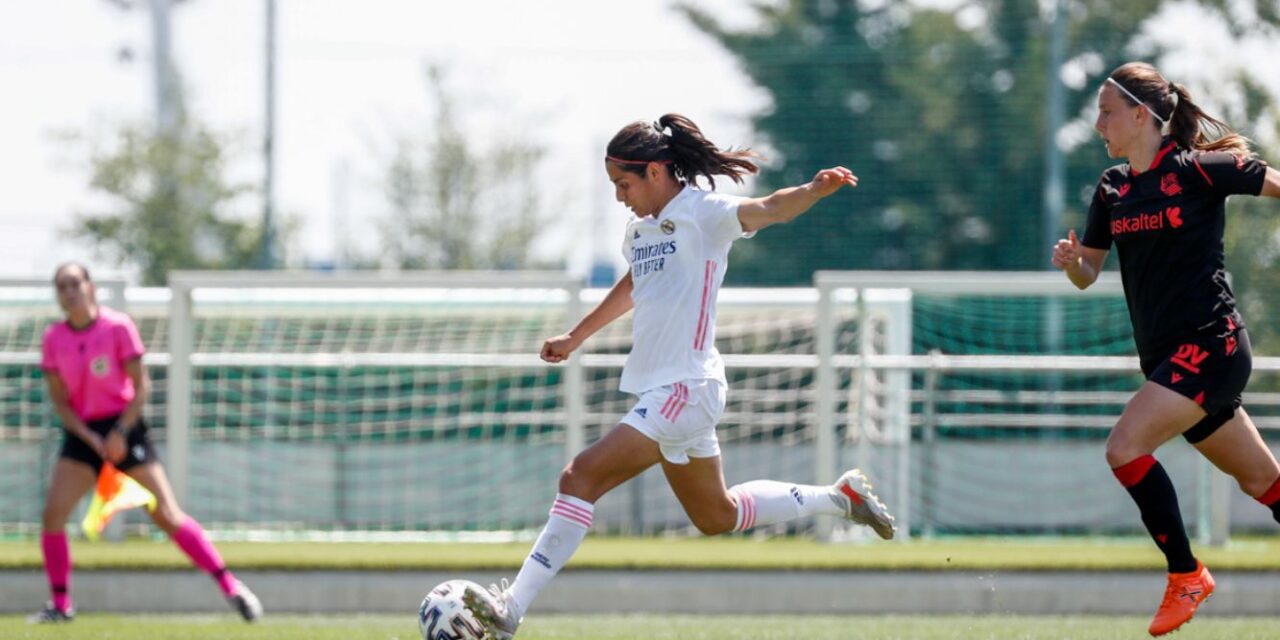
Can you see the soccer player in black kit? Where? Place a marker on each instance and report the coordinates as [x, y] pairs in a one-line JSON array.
[[1165, 211]]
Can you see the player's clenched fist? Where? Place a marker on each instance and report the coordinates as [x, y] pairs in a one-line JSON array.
[[557, 349]]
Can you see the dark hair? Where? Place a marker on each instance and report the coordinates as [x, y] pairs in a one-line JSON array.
[[1171, 102], [67, 265], [688, 152]]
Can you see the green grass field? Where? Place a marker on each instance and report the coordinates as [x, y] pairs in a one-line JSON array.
[[648, 627], [1085, 554]]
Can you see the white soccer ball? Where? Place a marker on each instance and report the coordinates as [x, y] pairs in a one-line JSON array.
[[443, 616]]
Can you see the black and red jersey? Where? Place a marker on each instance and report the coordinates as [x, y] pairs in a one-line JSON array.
[[1167, 225]]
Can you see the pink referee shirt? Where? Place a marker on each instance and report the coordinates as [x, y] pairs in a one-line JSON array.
[[91, 363]]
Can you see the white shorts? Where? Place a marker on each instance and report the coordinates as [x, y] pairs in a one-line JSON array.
[[681, 417]]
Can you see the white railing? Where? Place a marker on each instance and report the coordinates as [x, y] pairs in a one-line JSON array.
[[883, 295]]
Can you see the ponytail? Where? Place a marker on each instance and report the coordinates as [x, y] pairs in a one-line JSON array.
[[1189, 124], [1171, 103], [688, 152]]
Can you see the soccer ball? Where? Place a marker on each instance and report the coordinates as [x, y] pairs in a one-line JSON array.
[[443, 616]]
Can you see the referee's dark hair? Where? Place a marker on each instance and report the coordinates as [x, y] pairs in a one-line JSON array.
[[67, 265], [1171, 103]]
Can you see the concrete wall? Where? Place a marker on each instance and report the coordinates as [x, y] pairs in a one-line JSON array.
[[704, 592]]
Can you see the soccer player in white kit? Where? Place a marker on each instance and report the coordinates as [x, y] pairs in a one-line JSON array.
[[678, 248]]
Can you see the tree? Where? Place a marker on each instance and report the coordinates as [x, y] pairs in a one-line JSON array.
[[454, 206], [172, 203], [827, 82], [940, 112]]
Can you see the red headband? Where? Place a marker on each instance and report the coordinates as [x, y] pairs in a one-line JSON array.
[[621, 161]]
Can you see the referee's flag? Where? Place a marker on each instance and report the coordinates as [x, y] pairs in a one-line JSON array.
[[115, 493]]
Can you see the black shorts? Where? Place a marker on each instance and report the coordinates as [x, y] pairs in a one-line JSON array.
[[1211, 367], [138, 449]]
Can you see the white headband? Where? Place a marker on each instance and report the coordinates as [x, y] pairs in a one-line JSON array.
[[1135, 99]]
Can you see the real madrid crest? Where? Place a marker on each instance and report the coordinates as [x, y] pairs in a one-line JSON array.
[[668, 227]]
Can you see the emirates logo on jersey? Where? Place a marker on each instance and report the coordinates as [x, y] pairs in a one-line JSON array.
[[1169, 184], [668, 227], [650, 258], [100, 366]]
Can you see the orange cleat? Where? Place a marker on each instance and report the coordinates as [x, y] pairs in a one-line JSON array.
[[1181, 598]]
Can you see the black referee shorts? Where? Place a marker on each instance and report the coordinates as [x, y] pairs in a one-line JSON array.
[[1211, 368], [138, 446]]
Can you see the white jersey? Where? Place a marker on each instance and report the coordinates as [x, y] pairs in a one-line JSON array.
[[678, 260]]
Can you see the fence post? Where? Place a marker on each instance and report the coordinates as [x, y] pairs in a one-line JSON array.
[[1213, 522], [895, 305], [178, 395], [1220, 490], [824, 440], [929, 439], [574, 383]]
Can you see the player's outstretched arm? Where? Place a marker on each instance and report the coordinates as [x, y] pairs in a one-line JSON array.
[[616, 303], [1271, 185], [1082, 264], [785, 205]]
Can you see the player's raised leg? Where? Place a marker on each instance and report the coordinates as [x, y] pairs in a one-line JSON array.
[[191, 538], [713, 509]]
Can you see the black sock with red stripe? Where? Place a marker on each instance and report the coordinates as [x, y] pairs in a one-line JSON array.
[[1151, 488], [1271, 499]]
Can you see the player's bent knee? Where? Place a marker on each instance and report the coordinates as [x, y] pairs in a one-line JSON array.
[[573, 482], [168, 518], [1120, 456], [1256, 485], [714, 522], [1121, 452], [53, 519], [568, 479], [712, 526]]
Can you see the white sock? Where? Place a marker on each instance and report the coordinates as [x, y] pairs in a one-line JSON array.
[[570, 519], [762, 502]]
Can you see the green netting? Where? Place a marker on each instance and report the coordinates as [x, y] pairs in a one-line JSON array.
[[1021, 325], [1026, 325], [352, 444], [375, 403]]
